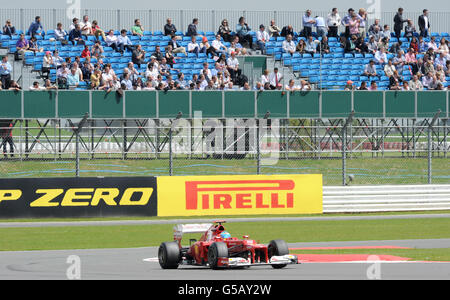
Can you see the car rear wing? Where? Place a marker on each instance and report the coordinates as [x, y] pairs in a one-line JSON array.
[[179, 230]]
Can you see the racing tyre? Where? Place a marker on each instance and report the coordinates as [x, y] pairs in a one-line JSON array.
[[169, 255], [216, 250], [278, 248]]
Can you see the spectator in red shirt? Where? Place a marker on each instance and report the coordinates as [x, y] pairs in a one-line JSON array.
[[86, 52]]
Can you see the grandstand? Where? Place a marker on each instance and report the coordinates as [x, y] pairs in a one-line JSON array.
[[329, 71]]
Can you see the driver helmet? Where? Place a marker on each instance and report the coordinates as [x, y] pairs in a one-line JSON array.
[[225, 235]]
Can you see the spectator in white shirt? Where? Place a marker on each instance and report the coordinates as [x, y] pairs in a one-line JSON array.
[[194, 47], [274, 30], [124, 42], [265, 77], [111, 40], [36, 87], [380, 56], [275, 79], [321, 28], [233, 67], [289, 45], [389, 68], [86, 26], [262, 37], [333, 21], [218, 46], [60, 34]]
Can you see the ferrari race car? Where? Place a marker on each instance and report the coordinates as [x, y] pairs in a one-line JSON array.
[[218, 250]]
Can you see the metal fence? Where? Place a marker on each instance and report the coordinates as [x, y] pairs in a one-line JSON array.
[[346, 152], [209, 20]]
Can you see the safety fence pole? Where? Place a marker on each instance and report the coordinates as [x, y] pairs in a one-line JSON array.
[[344, 147], [430, 150], [77, 144]]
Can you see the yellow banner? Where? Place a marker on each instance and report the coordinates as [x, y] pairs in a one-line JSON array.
[[239, 195]]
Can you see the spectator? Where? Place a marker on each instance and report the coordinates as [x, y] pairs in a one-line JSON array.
[[124, 42], [333, 21], [304, 85], [443, 47], [380, 56], [95, 79], [373, 86], [97, 31], [169, 28], [424, 23], [158, 54], [86, 52], [405, 86], [36, 87], [414, 45], [415, 84], [233, 67], [372, 45], [169, 56], [396, 47], [75, 36], [239, 49], [389, 68], [126, 82], [57, 60], [176, 48], [301, 47], [61, 34], [274, 30], [350, 45], [49, 86], [410, 30], [218, 46], [386, 32], [370, 70], [262, 37], [97, 50], [36, 27], [86, 26], [265, 77], [194, 47], [432, 44], [374, 26], [376, 34], [423, 46], [320, 25], [242, 31], [363, 86], [346, 22], [111, 40], [395, 81], [362, 16], [5, 72], [311, 46], [61, 76], [289, 45], [22, 45], [275, 79], [8, 29], [411, 60], [384, 43], [287, 30], [291, 86], [47, 64], [349, 86], [138, 56], [137, 29], [192, 28], [33, 46], [209, 49], [225, 31], [324, 47], [353, 24], [398, 23], [399, 61], [164, 68], [152, 69], [440, 60], [361, 45], [74, 24], [308, 23]]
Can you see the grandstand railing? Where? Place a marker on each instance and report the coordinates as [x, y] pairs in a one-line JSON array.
[[209, 20], [223, 104]]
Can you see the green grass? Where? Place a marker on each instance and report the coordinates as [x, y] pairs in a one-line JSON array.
[[365, 170], [128, 236]]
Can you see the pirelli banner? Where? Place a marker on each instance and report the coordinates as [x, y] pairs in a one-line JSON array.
[[239, 195], [78, 197]]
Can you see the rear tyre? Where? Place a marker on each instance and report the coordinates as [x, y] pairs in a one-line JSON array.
[[278, 248], [169, 255], [216, 250]]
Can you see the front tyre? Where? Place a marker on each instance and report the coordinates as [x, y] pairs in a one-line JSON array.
[[216, 250], [169, 255], [278, 248]]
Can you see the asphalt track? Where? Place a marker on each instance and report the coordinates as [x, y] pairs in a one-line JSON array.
[[127, 264]]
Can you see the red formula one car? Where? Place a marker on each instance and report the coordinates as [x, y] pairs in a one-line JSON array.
[[217, 249]]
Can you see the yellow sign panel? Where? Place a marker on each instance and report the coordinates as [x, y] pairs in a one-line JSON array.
[[239, 195]]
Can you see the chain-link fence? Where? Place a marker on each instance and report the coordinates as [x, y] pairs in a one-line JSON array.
[[346, 151]]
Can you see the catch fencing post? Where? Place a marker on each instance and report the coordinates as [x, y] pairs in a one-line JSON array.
[[258, 148], [77, 144], [179, 115], [344, 146], [430, 129]]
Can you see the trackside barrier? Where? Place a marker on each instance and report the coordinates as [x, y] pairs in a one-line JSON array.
[[384, 198]]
